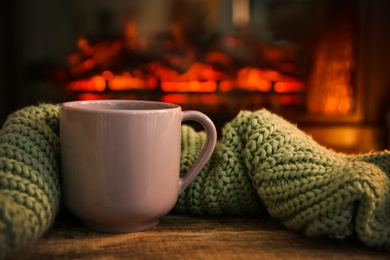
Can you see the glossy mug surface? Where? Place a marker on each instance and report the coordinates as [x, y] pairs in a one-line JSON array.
[[120, 161]]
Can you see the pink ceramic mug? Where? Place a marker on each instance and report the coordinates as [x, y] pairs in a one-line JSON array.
[[120, 161]]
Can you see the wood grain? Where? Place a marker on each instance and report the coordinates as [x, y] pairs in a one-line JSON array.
[[191, 237]]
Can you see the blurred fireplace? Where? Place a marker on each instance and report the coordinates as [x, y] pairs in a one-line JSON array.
[[311, 77], [310, 61]]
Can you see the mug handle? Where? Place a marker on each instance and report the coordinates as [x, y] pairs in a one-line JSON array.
[[207, 150]]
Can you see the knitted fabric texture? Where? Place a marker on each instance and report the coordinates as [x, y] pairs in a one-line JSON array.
[[262, 164], [29, 176], [309, 188]]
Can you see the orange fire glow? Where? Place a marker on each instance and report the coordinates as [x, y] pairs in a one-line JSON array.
[[331, 91], [199, 78], [95, 83], [183, 88]]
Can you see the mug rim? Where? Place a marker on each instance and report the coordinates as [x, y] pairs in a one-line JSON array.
[[111, 106]]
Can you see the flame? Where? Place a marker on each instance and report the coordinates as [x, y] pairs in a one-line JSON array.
[[114, 82], [130, 34], [199, 78], [95, 83], [84, 46], [190, 86], [125, 82], [252, 79], [288, 86], [90, 57]]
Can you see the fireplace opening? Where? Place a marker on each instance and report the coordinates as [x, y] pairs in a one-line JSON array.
[[232, 71], [321, 64]]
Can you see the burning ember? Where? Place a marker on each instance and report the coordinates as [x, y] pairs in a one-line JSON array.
[[199, 78], [94, 78]]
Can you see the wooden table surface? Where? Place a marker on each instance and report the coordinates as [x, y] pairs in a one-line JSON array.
[[192, 237]]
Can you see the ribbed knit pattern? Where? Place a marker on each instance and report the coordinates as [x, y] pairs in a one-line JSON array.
[[262, 164], [29, 176], [307, 187], [223, 186]]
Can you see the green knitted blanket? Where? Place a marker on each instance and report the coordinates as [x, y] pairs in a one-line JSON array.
[[261, 164]]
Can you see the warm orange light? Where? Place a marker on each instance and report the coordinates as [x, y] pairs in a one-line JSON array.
[[331, 92], [273, 54], [209, 99], [92, 96], [205, 99], [191, 86], [99, 82], [89, 64], [74, 59], [199, 78], [84, 46], [108, 75], [217, 57], [82, 43], [131, 34], [176, 98], [287, 100], [288, 86], [126, 82], [226, 85], [95, 83], [253, 79]]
